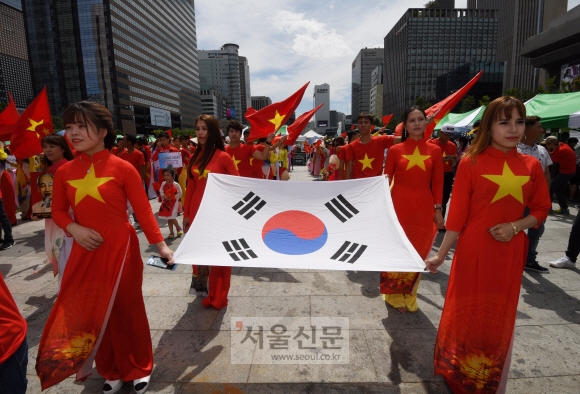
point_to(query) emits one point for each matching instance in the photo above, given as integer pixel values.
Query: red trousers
(126, 352)
(218, 286)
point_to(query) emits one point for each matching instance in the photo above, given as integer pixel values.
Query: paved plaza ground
(389, 352)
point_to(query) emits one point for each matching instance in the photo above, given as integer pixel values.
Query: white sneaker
(563, 262)
(112, 386)
(141, 385)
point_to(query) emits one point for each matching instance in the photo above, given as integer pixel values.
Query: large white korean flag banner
(345, 225)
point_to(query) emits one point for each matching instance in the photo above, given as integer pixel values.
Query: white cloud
(311, 38)
(290, 42)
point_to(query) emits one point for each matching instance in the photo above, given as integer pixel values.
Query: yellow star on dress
(204, 175)
(89, 186)
(416, 159)
(366, 162)
(278, 119)
(33, 125)
(251, 161)
(509, 184)
(237, 161)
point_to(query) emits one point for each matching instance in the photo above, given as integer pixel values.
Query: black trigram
(349, 252)
(341, 208)
(239, 249)
(249, 205)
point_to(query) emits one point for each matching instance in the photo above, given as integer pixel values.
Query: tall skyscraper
(219, 70)
(376, 97)
(245, 93)
(519, 20)
(259, 102)
(137, 58)
(322, 116)
(14, 67)
(427, 43)
(362, 68)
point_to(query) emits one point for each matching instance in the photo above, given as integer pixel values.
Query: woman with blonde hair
(493, 186)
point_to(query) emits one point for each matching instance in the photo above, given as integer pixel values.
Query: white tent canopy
(312, 134)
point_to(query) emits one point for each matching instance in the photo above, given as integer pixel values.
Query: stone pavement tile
(26, 242)
(431, 306)
(554, 245)
(358, 369)
(550, 350)
(166, 285)
(33, 386)
(251, 285)
(364, 313)
(31, 306)
(312, 283)
(270, 306)
(558, 233)
(364, 283)
(542, 385)
(196, 356)
(575, 328)
(178, 313)
(315, 388)
(557, 280)
(547, 308)
(402, 355)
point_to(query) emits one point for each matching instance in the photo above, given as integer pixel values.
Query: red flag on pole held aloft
(34, 123)
(387, 119)
(270, 118)
(443, 107)
(352, 126)
(299, 124)
(8, 119)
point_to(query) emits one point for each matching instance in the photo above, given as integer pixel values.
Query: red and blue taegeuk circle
(294, 233)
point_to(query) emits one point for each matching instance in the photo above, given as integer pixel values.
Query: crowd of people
(497, 185)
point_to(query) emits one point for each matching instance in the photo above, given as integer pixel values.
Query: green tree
(485, 100)
(432, 4)
(3, 105)
(515, 92)
(392, 124)
(57, 123)
(422, 103)
(467, 104)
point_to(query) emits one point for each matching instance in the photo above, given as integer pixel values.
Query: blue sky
(291, 42)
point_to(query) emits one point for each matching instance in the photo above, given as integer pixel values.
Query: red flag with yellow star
(443, 107)
(387, 119)
(8, 118)
(270, 118)
(34, 123)
(299, 124)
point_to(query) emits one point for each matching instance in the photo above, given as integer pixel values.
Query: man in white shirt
(528, 146)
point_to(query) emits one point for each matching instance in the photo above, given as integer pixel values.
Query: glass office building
(519, 20)
(362, 68)
(14, 67)
(428, 43)
(137, 58)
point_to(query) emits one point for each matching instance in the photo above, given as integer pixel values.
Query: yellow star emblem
(33, 125)
(204, 175)
(237, 161)
(251, 160)
(277, 121)
(416, 159)
(366, 162)
(89, 186)
(509, 184)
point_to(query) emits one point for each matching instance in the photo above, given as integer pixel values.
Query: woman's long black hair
(405, 116)
(204, 153)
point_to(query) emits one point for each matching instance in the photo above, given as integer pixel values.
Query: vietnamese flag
(299, 124)
(8, 118)
(387, 119)
(270, 118)
(443, 107)
(34, 123)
